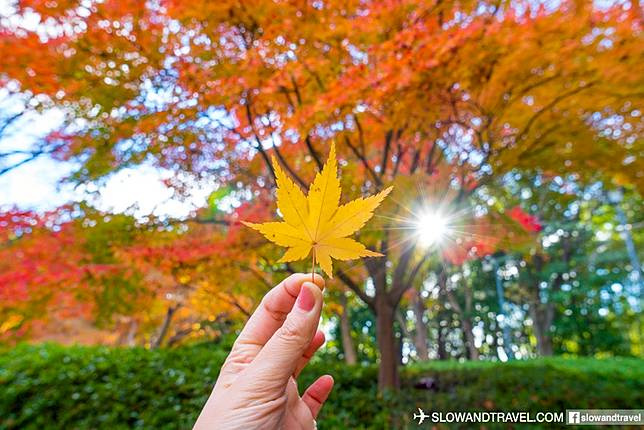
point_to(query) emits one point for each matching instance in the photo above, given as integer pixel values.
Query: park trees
(53, 267)
(411, 91)
(149, 283)
(577, 273)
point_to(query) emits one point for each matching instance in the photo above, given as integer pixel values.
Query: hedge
(55, 387)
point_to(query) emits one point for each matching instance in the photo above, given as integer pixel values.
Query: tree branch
(165, 327)
(399, 286)
(307, 139)
(429, 163)
(283, 161)
(416, 269)
(549, 106)
(364, 162)
(353, 286)
(400, 153)
(32, 157)
(259, 146)
(385, 155)
(236, 304)
(414, 162)
(13, 118)
(360, 134)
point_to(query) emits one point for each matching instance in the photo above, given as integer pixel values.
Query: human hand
(257, 387)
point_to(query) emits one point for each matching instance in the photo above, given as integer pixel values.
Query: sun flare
(432, 228)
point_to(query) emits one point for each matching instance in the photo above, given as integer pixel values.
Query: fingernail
(306, 299)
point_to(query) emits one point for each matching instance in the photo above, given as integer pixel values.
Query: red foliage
(529, 222)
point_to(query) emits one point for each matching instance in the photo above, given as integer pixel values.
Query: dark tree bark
(442, 344)
(165, 327)
(386, 337)
(384, 308)
(464, 315)
(471, 350)
(350, 355)
(420, 335)
(400, 342)
(542, 310)
(542, 315)
(467, 323)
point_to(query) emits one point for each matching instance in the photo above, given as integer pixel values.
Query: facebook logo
(605, 417)
(574, 417)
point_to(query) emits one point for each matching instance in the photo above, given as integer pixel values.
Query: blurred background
(136, 135)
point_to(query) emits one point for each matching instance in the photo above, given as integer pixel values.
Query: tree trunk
(542, 316)
(420, 336)
(131, 333)
(350, 356)
(401, 335)
(541, 312)
(442, 344)
(384, 304)
(127, 331)
(473, 351)
(468, 334)
(165, 327)
(388, 369)
(400, 342)
(466, 323)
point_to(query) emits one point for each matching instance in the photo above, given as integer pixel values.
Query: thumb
(277, 360)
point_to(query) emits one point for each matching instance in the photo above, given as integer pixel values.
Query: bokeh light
(432, 228)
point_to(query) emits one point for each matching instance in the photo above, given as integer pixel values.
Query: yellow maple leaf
(317, 222)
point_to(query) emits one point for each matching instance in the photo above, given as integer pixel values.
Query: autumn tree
(128, 282)
(472, 89)
(194, 276)
(54, 268)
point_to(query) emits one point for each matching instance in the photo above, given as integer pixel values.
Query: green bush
(55, 387)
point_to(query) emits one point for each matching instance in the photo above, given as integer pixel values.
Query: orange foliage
(448, 95)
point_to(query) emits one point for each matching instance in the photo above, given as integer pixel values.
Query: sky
(38, 185)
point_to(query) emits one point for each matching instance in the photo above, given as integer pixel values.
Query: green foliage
(363, 333)
(82, 388)
(58, 387)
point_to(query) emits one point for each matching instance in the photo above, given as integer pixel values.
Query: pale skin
(257, 387)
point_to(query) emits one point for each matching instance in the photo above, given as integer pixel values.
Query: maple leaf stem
(313, 268)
